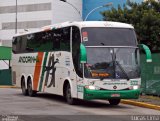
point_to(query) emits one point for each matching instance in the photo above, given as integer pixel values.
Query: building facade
(32, 14)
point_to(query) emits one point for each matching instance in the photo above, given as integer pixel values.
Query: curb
(141, 104)
(8, 86)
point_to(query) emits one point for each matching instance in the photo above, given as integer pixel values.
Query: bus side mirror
(147, 51)
(83, 54)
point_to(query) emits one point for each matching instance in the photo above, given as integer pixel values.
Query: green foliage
(145, 17)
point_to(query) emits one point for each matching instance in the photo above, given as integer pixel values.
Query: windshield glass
(98, 36)
(112, 63)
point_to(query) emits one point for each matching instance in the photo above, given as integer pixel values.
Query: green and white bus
(79, 60)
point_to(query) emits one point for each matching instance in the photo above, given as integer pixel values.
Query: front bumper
(108, 94)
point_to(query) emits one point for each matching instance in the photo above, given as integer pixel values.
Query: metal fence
(150, 74)
(5, 77)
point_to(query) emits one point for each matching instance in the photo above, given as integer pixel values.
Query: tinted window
(55, 40)
(42, 41)
(19, 44)
(62, 39)
(100, 36)
(76, 40)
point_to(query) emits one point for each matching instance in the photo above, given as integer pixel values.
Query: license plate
(115, 95)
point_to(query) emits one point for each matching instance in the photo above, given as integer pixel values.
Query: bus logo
(114, 87)
(51, 67)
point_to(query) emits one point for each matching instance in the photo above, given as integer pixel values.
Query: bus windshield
(103, 36)
(112, 63)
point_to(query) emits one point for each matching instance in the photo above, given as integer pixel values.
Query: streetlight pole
(106, 5)
(73, 7)
(16, 19)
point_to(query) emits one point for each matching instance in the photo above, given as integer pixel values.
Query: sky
(89, 5)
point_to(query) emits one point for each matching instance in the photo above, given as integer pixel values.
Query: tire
(68, 95)
(31, 92)
(23, 87)
(114, 101)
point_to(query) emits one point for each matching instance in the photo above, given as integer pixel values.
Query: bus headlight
(91, 87)
(135, 87)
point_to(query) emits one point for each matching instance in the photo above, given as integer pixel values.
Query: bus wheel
(31, 92)
(68, 95)
(23, 87)
(114, 101)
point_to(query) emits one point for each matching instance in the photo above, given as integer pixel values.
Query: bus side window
(18, 44)
(76, 40)
(61, 39)
(56, 40)
(23, 43)
(45, 41)
(30, 42)
(65, 39)
(39, 42)
(14, 45)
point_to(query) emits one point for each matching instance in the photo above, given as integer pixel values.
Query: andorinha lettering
(28, 59)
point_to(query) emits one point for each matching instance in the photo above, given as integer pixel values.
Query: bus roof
(81, 24)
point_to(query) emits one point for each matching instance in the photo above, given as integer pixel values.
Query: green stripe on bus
(43, 70)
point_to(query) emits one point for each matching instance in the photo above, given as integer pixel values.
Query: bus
(79, 60)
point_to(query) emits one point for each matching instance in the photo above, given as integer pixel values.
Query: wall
(33, 14)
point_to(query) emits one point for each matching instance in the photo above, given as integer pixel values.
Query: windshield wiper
(116, 62)
(122, 69)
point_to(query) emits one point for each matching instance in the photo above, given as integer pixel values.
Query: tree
(145, 17)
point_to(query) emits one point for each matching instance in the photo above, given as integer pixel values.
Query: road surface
(49, 107)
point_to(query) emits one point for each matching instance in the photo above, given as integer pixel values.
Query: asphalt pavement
(15, 106)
